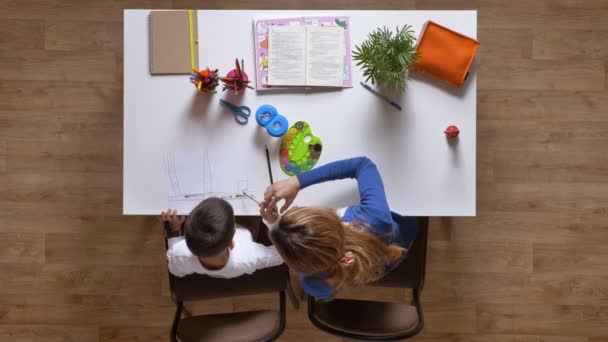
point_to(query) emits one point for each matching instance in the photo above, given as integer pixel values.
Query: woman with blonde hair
(354, 246)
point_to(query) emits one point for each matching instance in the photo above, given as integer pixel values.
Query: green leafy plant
(386, 56)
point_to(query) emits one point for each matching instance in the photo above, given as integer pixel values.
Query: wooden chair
(256, 325)
(380, 321)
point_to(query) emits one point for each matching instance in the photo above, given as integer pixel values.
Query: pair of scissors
(241, 113)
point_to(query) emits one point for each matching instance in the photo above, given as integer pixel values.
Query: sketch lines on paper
(195, 176)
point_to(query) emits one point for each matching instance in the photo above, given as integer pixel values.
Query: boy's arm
(175, 262)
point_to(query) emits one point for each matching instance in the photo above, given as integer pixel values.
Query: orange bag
(445, 54)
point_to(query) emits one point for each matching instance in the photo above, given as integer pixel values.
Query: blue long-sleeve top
(373, 209)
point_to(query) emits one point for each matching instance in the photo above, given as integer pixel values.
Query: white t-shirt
(246, 257)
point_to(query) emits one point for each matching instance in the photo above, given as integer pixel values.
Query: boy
(212, 244)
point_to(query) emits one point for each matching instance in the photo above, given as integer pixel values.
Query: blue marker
(389, 101)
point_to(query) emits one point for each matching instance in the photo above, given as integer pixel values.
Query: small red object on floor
(451, 132)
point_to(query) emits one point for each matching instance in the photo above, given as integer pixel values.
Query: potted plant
(386, 56)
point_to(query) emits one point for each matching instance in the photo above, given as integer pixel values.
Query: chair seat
(368, 318)
(239, 326)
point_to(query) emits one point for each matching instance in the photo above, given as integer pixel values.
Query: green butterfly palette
(300, 149)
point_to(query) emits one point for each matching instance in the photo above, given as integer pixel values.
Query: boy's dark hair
(210, 227)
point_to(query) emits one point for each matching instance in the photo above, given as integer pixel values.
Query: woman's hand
(175, 222)
(269, 211)
(286, 189)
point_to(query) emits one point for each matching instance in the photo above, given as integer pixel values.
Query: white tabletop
(423, 174)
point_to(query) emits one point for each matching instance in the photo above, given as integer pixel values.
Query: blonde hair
(313, 240)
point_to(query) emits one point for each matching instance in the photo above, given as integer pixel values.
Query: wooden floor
(531, 267)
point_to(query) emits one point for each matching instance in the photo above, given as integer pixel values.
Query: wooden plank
(61, 96)
(528, 14)
(549, 166)
(103, 249)
(598, 339)
(549, 121)
(542, 319)
(473, 256)
(210, 306)
(34, 65)
(526, 74)
(547, 227)
(76, 187)
(570, 4)
(516, 288)
(64, 156)
(476, 4)
(570, 44)
(440, 228)
(571, 198)
(266, 301)
(83, 35)
(2, 156)
(297, 4)
(61, 126)
(52, 217)
(583, 258)
(541, 106)
(311, 334)
(48, 333)
(606, 83)
(449, 317)
(134, 334)
(80, 279)
(430, 337)
(534, 136)
(499, 43)
(21, 248)
(110, 11)
(59, 309)
(547, 18)
(21, 34)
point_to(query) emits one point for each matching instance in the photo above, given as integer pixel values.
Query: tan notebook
(173, 42)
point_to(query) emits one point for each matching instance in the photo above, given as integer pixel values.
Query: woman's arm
(371, 188)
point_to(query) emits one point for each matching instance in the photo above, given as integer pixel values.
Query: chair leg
(416, 293)
(295, 302)
(282, 319)
(187, 312)
(178, 315)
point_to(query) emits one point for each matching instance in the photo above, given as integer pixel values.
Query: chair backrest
(381, 321)
(200, 287)
(410, 273)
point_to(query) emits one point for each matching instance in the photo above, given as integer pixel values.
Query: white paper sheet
(195, 176)
(286, 55)
(324, 56)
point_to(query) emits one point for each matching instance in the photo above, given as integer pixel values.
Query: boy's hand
(269, 211)
(286, 189)
(175, 222)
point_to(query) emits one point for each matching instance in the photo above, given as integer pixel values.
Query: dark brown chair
(380, 321)
(257, 325)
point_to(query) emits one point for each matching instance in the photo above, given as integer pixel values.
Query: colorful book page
(261, 45)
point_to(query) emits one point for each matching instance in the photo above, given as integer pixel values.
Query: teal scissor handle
(241, 113)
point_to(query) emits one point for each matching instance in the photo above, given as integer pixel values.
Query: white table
(423, 174)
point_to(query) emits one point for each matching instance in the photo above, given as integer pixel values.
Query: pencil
(251, 198)
(384, 97)
(269, 168)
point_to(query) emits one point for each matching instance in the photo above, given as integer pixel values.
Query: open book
(306, 56)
